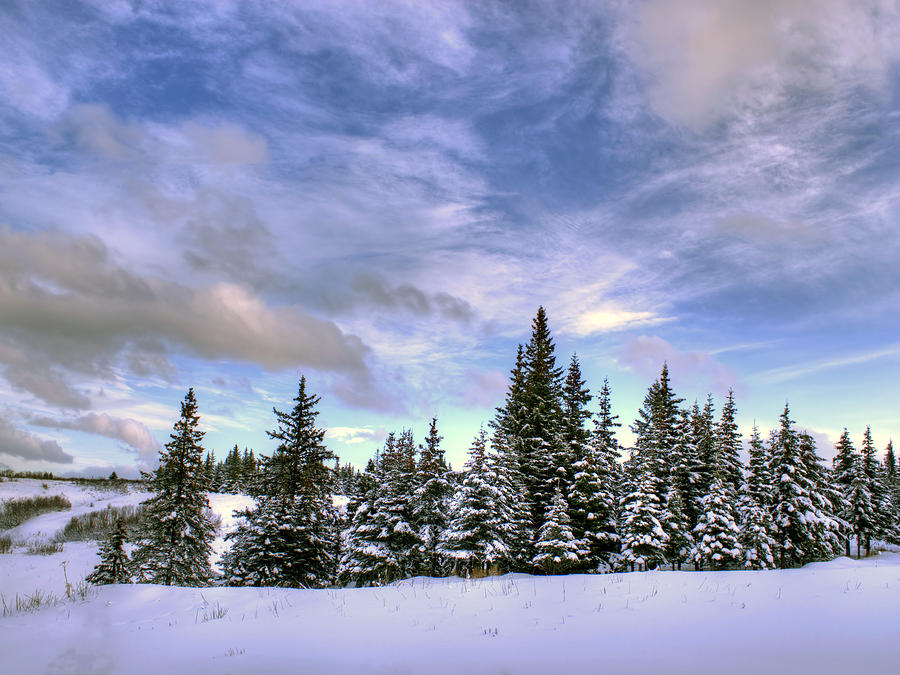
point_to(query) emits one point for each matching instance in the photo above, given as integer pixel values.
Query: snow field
(833, 617)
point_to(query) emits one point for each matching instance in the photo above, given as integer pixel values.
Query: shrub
(45, 548)
(5, 545)
(16, 511)
(98, 524)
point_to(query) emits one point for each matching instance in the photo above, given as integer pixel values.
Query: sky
(379, 195)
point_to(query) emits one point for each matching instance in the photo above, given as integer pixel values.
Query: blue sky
(379, 195)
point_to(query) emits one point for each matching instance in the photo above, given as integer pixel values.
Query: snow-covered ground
(834, 617)
(84, 499)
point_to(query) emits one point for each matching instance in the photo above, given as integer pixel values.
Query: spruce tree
(382, 545)
(657, 432)
(289, 538)
(728, 447)
(114, 564)
(176, 545)
(430, 500)
(680, 544)
(508, 444)
(556, 549)
(860, 511)
(643, 538)
(806, 528)
(758, 536)
(759, 481)
(717, 534)
(843, 462)
(476, 541)
(541, 433)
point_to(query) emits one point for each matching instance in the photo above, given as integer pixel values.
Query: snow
(829, 617)
(84, 499)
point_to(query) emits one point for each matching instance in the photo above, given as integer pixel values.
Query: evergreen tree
(248, 472)
(860, 511)
(759, 481)
(508, 445)
(382, 545)
(643, 538)
(686, 473)
(431, 497)
(843, 463)
(717, 534)
(209, 470)
(657, 432)
(177, 542)
(575, 434)
(728, 447)
(757, 536)
(541, 433)
(680, 542)
(114, 564)
(806, 530)
(289, 538)
(477, 539)
(557, 550)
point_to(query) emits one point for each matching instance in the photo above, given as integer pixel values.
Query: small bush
(44, 548)
(5, 545)
(97, 525)
(16, 511)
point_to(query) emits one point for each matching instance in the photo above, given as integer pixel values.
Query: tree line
(547, 488)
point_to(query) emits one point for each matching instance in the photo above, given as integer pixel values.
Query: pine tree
(430, 500)
(541, 433)
(728, 447)
(382, 545)
(248, 472)
(114, 564)
(860, 511)
(806, 529)
(757, 536)
(717, 534)
(176, 545)
(759, 480)
(476, 541)
(508, 445)
(843, 462)
(556, 549)
(657, 432)
(680, 540)
(643, 538)
(289, 539)
(575, 435)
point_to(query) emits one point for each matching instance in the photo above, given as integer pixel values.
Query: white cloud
(22, 444)
(129, 431)
(711, 58)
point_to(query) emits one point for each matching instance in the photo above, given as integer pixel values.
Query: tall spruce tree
(541, 433)
(508, 445)
(175, 547)
(289, 539)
